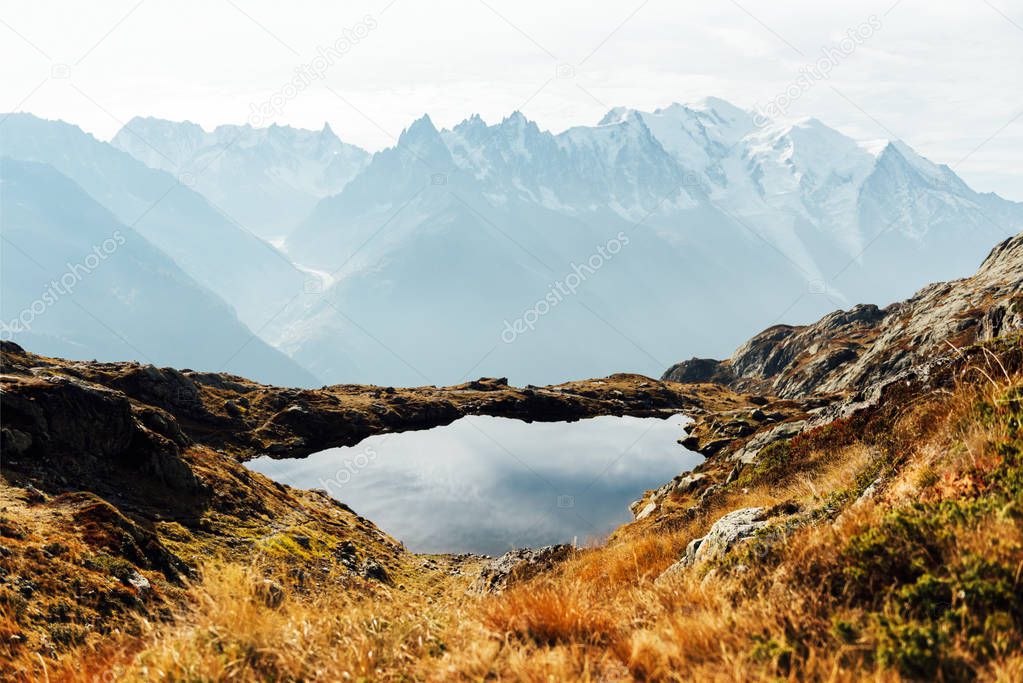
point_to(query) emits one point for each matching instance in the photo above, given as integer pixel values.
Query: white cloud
(942, 75)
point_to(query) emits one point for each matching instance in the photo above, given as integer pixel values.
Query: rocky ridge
(845, 368)
(849, 350)
(248, 419)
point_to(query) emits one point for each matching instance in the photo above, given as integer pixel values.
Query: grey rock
(868, 492)
(724, 534)
(729, 530)
(691, 482)
(647, 510)
(786, 430)
(519, 565)
(371, 569)
(847, 351)
(138, 582)
(270, 593)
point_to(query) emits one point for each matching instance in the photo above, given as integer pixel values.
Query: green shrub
(914, 649)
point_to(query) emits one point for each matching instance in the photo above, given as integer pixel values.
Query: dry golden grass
(818, 603)
(246, 627)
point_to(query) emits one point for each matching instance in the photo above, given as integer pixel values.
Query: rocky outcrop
(700, 370)
(848, 351)
(726, 533)
(248, 419)
(747, 454)
(64, 430)
(519, 565)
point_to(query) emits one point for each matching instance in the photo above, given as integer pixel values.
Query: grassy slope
(921, 578)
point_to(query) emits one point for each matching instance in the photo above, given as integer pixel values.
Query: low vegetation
(896, 553)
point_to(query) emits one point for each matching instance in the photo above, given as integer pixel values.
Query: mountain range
(508, 250)
(80, 283)
(266, 178)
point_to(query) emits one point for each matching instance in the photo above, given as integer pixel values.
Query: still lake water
(490, 484)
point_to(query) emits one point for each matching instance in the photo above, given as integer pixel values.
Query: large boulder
(699, 370)
(727, 532)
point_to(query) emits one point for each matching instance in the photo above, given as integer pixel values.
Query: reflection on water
(489, 484)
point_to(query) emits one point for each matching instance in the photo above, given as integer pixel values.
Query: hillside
(205, 242)
(77, 282)
(866, 526)
(848, 350)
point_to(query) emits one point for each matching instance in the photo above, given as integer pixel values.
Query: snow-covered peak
(697, 135)
(874, 147)
(722, 108)
(421, 143)
(474, 122)
(614, 115)
(516, 119)
(935, 173)
(809, 147)
(267, 178)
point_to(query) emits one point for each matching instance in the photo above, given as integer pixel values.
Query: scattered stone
(34, 496)
(371, 569)
(708, 493)
(347, 554)
(138, 582)
(519, 565)
(687, 560)
(647, 510)
(691, 482)
(868, 492)
(270, 593)
(714, 446)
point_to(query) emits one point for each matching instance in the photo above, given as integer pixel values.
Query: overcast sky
(943, 76)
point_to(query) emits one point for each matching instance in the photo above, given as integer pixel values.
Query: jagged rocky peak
(420, 129)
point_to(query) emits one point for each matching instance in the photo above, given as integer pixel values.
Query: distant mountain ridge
(732, 225)
(77, 282)
(416, 258)
(265, 178)
(247, 272)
